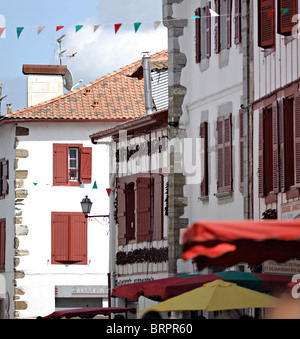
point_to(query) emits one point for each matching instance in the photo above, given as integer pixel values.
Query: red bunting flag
(270, 13)
(117, 27)
(59, 27)
(108, 190)
(1, 31)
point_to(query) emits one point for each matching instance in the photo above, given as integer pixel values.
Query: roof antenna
(147, 82)
(61, 51)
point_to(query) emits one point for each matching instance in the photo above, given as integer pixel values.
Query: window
(203, 33)
(224, 153)
(266, 23)
(223, 24)
(204, 159)
(286, 10)
(69, 238)
(72, 164)
(140, 209)
(3, 178)
(2, 244)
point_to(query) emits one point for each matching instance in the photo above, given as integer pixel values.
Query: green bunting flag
(19, 31)
(78, 27)
(95, 185)
(285, 10)
(137, 26)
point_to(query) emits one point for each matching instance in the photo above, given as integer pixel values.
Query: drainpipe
(147, 82)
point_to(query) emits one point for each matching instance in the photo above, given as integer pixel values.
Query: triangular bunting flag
(78, 27)
(35, 183)
(96, 27)
(69, 184)
(19, 31)
(284, 11)
(108, 190)
(95, 185)
(270, 13)
(117, 27)
(59, 27)
(1, 30)
(82, 185)
(156, 24)
(137, 26)
(40, 28)
(195, 16)
(213, 13)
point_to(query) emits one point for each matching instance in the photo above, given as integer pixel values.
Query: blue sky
(97, 53)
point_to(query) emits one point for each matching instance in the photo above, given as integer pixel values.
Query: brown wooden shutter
(220, 151)
(198, 35)
(282, 145)
(217, 27)
(242, 138)
(228, 153)
(143, 208)
(261, 181)
(5, 178)
(228, 23)
(266, 23)
(208, 31)
(60, 238)
(275, 147)
(86, 164)
(121, 194)
(297, 136)
(285, 24)
(158, 203)
(2, 244)
(78, 238)
(204, 163)
(60, 164)
(237, 21)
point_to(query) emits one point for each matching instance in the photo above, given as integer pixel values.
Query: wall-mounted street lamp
(86, 206)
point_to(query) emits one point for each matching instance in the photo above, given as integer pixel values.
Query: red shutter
(228, 23)
(86, 164)
(78, 238)
(285, 24)
(4, 176)
(241, 135)
(228, 153)
(60, 238)
(2, 245)
(217, 27)
(208, 31)
(143, 208)
(204, 164)
(237, 21)
(60, 164)
(121, 193)
(282, 145)
(275, 148)
(297, 137)
(197, 36)
(266, 22)
(261, 181)
(158, 207)
(220, 151)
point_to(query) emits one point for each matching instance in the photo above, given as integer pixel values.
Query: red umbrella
(226, 243)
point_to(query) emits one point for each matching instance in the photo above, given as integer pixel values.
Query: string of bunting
(136, 25)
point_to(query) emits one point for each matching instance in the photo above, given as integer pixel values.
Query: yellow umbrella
(215, 296)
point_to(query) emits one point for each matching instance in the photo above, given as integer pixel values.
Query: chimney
(9, 108)
(44, 82)
(147, 82)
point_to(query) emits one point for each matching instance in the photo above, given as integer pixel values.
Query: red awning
(88, 312)
(134, 290)
(226, 243)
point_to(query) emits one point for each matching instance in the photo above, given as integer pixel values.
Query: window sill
(268, 51)
(293, 192)
(224, 194)
(269, 199)
(204, 198)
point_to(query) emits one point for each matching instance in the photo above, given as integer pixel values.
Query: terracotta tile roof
(115, 96)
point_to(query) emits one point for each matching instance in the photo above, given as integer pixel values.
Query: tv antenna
(61, 51)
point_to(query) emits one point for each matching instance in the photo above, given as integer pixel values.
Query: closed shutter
(261, 181)
(220, 152)
(158, 203)
(4, 177)
(282, 145)
(78, 238)
(241, 137)
(198, 36)
(237, 21)
(275, 148)
(217, 27)
(228, 153)
(143, 208)
(2, 245)
(204, 164)
(86, 164)
(60, 164)
(266, 23)
(121, 214)
(228, 23)
(60, 238)
(208, 31)
(285, 24)
(297, 137)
